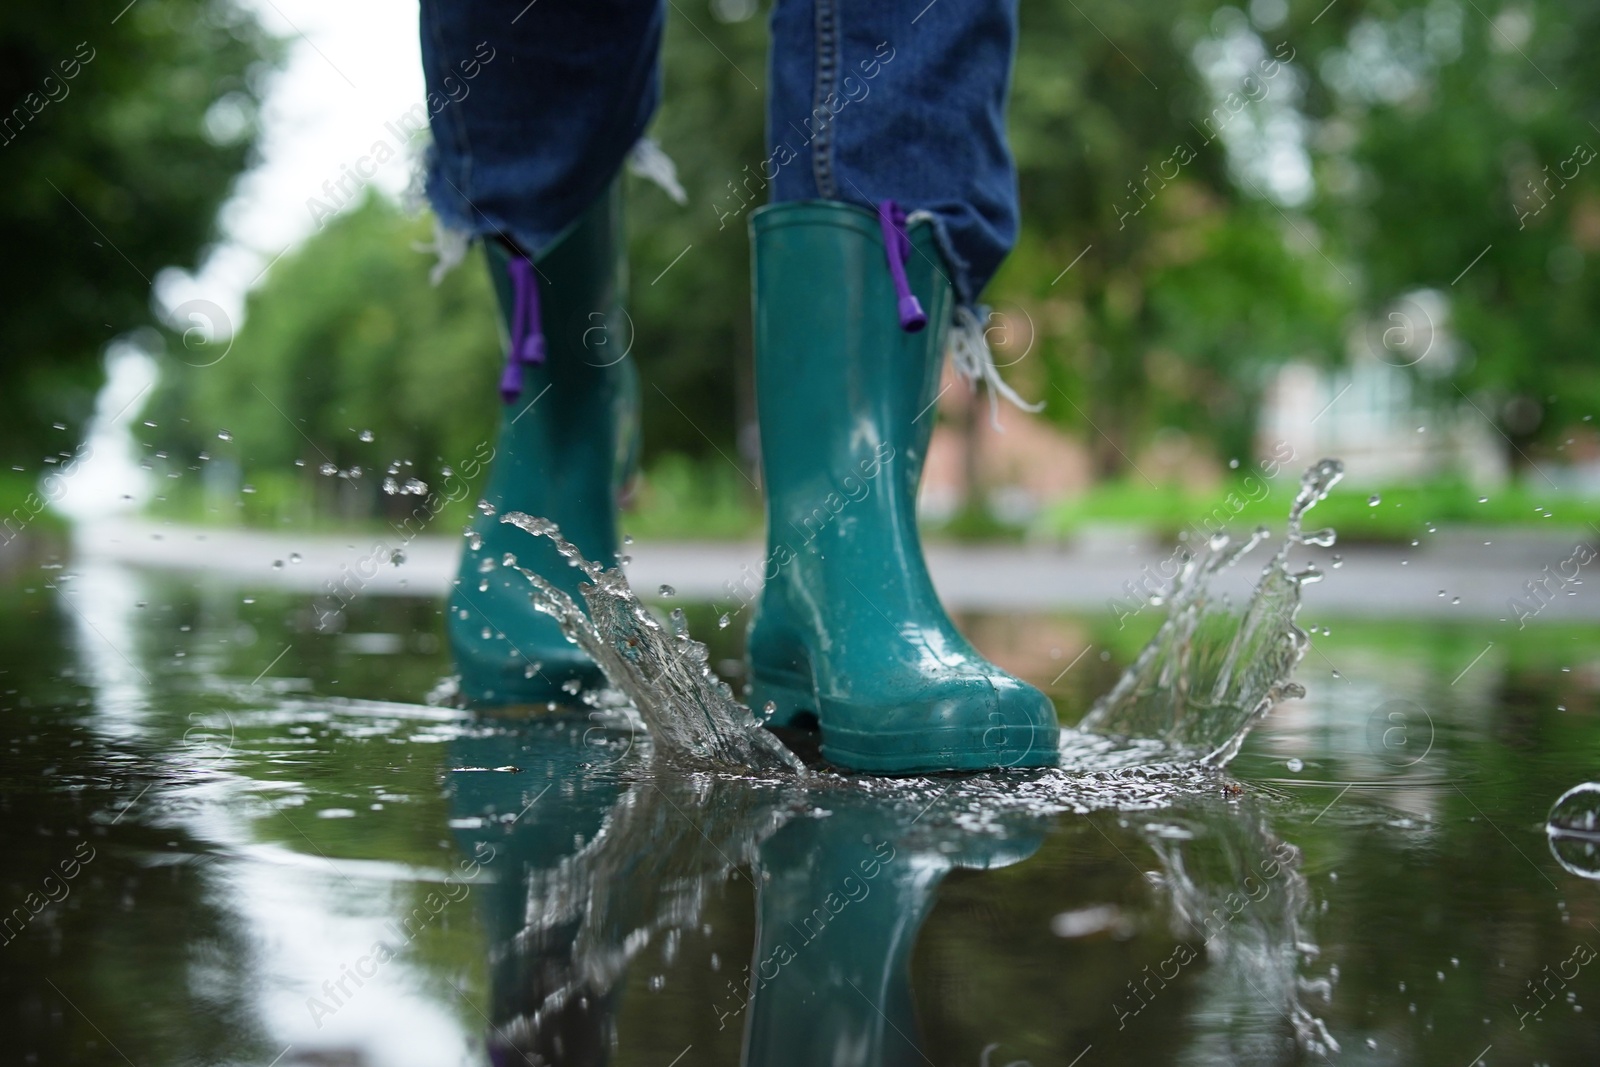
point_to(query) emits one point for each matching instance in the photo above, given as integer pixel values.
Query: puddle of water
(233, 839)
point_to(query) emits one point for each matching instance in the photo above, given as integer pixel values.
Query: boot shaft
(845, 394)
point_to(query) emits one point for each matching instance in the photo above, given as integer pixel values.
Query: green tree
(350, 361)
(1187, 280)
(120, 139)
(1458, 152)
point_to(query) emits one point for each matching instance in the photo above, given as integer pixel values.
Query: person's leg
(901, 100)
(853, 306)
(534, 107)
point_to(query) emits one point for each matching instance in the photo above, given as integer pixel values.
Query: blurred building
(1389, 412)
(1026, 464)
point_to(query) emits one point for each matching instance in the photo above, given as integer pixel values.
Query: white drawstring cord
(972, 358)
(449, 246)
(648, 161)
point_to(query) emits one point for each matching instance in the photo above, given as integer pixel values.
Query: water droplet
(1233, 464)
(294, 557)
(224, 435)
(1338, 561)
(1441, 594)
(365, 436)
(486, 507)
(1483, 500)
(397, 558)
(627, 539)
(508, 560)
(247, 600)
(1374, 500)
(724, 621)
(667, 590)
(657, 983)
(1455, 600)
(277, 564)
(248, 488)
(486, 633)
(390, 486)
(1295, 765)
(530, 670)
(483, 585)
(1336, 674)
(327, 470)
(571, 685)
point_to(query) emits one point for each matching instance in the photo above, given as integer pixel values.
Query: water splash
(1188, 700)
(1573, 829)
(1212, 671)
(1236, 894)
(690, 712)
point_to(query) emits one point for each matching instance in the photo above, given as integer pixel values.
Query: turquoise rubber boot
(849, 627)
(567, 439)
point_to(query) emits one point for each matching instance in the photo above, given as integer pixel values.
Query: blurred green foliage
(1207, 191)
(1453, 131)
(352, 365)
(120, 138)
(1395, 513)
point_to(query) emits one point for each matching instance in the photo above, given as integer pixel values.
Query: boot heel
(793, 697)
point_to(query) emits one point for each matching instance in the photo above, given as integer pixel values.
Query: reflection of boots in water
(840, 901)
(583, 874)
(520, 803)
(567, 437)
(850, 629)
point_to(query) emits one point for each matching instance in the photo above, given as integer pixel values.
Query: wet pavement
(233, 839)
(1455, 574)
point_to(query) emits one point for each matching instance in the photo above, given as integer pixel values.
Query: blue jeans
(867, 100)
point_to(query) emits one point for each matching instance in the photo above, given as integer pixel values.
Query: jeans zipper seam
(827, 44)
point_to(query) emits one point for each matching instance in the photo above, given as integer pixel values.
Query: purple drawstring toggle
(897, 247)
(527, 338)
